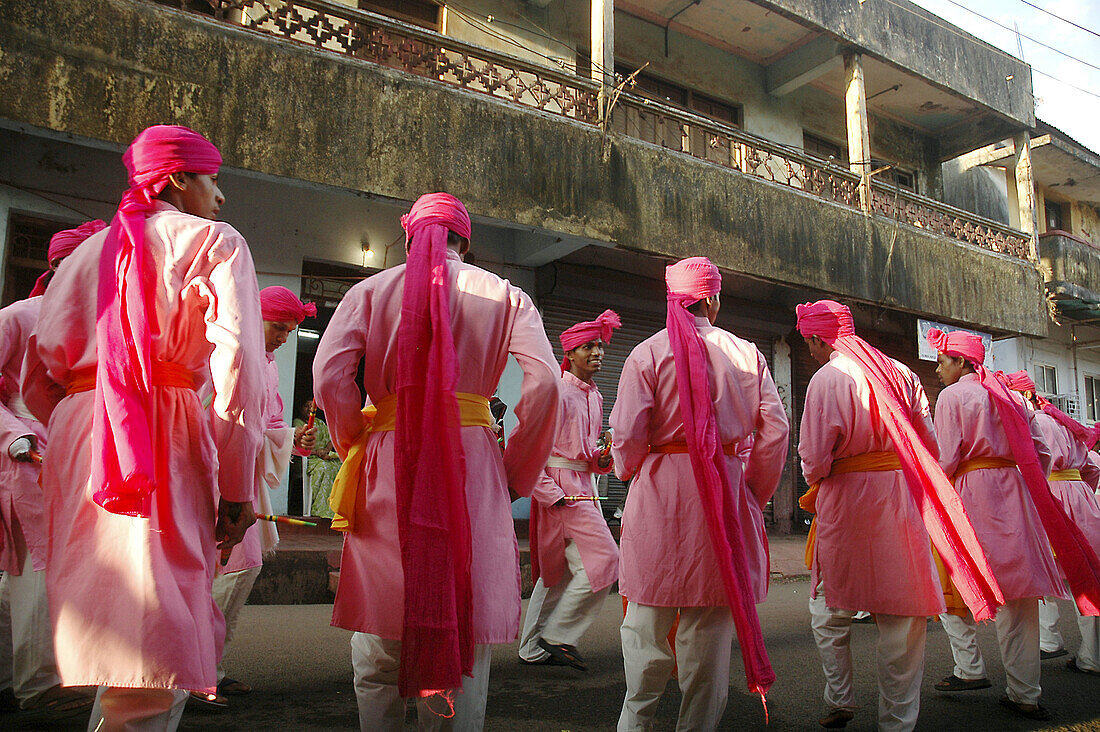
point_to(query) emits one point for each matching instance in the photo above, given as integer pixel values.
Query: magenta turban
(62, 244)
(589, 330)
(826, 319)
(958, 344)
(1019, 381)
(123, 464)
(277, 303)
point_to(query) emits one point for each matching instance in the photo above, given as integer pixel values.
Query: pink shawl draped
(62, 244)
(122, 442)
(437, 645)
(1071, 548)
(688, 281)
(589, 330)
(941, 509)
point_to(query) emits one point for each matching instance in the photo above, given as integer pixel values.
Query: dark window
(28, 242)
(1092, 398)
(418, 12)
(678, 96)
(1055, 217)
(824, 149)
(714, 109)
(905, 179)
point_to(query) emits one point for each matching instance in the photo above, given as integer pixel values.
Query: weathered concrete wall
(1072, 262)
(913, 39)
(980, 189)
(287, 111)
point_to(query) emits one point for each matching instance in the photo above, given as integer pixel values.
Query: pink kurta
(579, 427)
(490, 320)
(872, 550)
(1077, 496)
(667, 558)
(249, 553)
(130, 597)
(997, 500)
(21, 501)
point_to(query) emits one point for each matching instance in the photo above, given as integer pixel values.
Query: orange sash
(165, 373)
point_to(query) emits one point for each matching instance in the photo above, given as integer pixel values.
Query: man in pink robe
(282, 312)
(574, 557)
(669, 563)
(157, 632)
(489, 320)
(23, 541)
(872, 551)
(1071, 474)
(975, 450)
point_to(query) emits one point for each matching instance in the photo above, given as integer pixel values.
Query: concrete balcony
(1074, 270)
(323, 93)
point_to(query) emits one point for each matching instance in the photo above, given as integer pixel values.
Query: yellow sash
(982, 463)
(1071, 474)
(473, 411)
(165, 373)
(868, 462)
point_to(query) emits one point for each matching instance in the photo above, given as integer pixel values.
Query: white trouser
(230, 594)
(1018, 637)
(5, 636)
(381, 709)
(703, 643)
(1050, 639)
(899, 657)
(563, 613)
(33, 665)
(136, 710)
(1088, 655)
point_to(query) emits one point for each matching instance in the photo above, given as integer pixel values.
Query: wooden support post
(859, 139)
(1025, 190)
(603, 50)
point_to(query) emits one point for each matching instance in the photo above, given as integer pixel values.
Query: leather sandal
(837, 718)
(1071, 664)
(564, 655)
(232, 687)
(954, 683)
(1029, 711)
(210, 700)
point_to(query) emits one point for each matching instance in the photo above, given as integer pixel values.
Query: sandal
(232, 687)
(1029, 711)
(211, 700)
(564, 655)
(954, 683)
(58, 704)
(837, 719)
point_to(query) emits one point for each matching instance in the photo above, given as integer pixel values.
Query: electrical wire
(1059, 17)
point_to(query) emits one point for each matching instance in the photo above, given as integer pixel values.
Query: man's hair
(455, 240)
(697, 308)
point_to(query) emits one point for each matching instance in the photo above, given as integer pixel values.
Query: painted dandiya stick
(283, 520)
(36, 457)
(312, 411)
(585, 498)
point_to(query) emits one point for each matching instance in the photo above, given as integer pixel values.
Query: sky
(1075, 112)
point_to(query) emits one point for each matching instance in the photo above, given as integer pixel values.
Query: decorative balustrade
(362, 35)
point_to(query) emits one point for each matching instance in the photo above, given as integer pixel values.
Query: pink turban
(62, 244)
(590, 330)
(123, 470)
(437, 640)
(1019, 381)
(1078, 560)
(826, 319)
(692, 279)
(958, 344)
(277, 303)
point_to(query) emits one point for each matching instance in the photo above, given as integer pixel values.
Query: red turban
(590, 330)
(826, 319)
(62, 244)
(277, 303)
(958, 344)
(123, 464)
(433, 521)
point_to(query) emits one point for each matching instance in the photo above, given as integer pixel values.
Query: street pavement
(300, 668)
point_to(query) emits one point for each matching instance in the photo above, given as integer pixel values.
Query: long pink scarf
(1072, 550)
(437, 646)
(941, 509)
(687, 281)
(122, 431)
(1022, 382)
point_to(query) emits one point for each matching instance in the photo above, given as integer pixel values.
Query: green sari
(321, 473)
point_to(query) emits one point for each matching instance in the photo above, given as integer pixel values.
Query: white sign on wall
(925, 351)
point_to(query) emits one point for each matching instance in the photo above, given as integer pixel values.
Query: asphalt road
(301, 671)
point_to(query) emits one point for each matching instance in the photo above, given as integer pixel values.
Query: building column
(603, 50)
(785, 497)
(1025, 189)
(859, 138)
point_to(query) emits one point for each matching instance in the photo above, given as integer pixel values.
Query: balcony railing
(362, 35)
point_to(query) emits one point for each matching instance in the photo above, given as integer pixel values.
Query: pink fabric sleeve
(40, 392)
(922, 419)
(546, 491)
(11, 427)
(237, 368)
(949, 432)
(1090, 472)
(822, 427)
(1042, 449)
(769, 449)
(531, 441)
(334, 370)
(631, 413)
